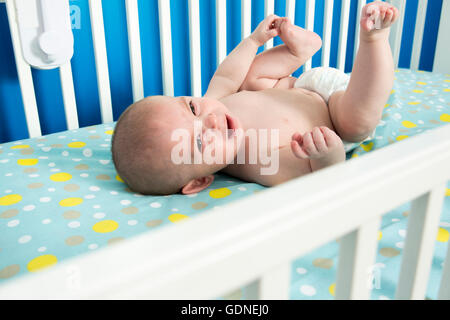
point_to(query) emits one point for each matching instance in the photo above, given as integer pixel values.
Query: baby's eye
(191, 105)
(199, 143)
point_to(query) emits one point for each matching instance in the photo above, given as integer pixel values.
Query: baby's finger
(297, 137)
(319, 140)
(309, 146)
(331, 138)
(298, 151)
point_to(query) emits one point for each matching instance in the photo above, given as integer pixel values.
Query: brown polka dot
(199, 205)
(130, 210)
(323, 263)
(27, 151)
(1, 151)
(235, 295)
(9, 213)
(434, 122)
(426, 107)
(30, 170)
(9, 271)
(82, 167)
(153, 223)
(103, 177)
(41, 139)
(115, 240)
(71, 214)
(405, 214)
(413, 111)
(94, 137)
(389, 252)
(57, 145)
(35, 185)
(71, 187)
(74, 240)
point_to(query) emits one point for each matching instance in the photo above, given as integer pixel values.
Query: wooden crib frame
(250, 241)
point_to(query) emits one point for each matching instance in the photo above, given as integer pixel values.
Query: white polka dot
(114, 193)
(29, 207)
(192, 195)
(97, 206)
(13, 223)
(65, 153)
(76, 160)
(84, 175)
(99, 215)
(175, 209)
(301, 270)
(94, 188)
(89, 196)
(45, 199)
(132, 222)
(46, 221)
(395, 220)
(33, 175)
(41, 249)
(51, 189)
(402, 233)
(8, 191)
(400, 244)
(93, 246)
(445, 224)
(55, 170)
(73, 224)
(87, 153)
(24, 239)
(51, 164)
(8, 174)
(308, 290)
(155, 205)
(242, 189)
(125, 202)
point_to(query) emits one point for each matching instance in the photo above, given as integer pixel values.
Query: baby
(312, 120)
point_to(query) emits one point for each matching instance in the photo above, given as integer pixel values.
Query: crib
(251, 242)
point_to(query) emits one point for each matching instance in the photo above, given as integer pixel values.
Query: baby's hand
(266, 30)
(319, 143)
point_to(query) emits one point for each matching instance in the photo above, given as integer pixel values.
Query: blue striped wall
(48, 89)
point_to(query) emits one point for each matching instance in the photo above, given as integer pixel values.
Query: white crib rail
(240, 243)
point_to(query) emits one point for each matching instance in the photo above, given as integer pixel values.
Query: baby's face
(201, 131)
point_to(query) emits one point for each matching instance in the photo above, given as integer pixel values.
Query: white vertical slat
(194, 38)
(361, 4)
(134, 44)
(101, 59)
(441, 60)
(269, 8)
(356, 259)
(221, 36)
(25, 77)
(418, 34)
(246, 17)
(165, 32)
(327, 25)
(273, 285)
(343, 34)
(68, 93)
(444, 290)
(418, 251)
(290, 10)
(309, 25)
(397, 30)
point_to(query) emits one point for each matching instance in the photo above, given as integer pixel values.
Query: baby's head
(154, 134)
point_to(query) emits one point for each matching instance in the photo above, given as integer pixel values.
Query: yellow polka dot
(418, 91)
(70, 202)
(21, 146)
(119, 179)
(393, 91)
(400, 138)
(414, 103)
(27, 162)
(220, 193)
(446, 80)
(367, 147)
(446, 90)
(41, 262)
(445, 117)
(447, 192)
(61, 177)
(387, 105)
(380, 235)
(443, 235)
(105, 226)
(332, 289)
(177, 217)
(355, 156)
(77, 144)
(421, 83)
(110, 132)
(10, 199)
(409, 124)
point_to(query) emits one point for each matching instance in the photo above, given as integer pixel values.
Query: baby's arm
(232, 71)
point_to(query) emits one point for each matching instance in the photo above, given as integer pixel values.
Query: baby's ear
(197, 185)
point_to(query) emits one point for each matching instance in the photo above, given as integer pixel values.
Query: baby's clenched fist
(320, 142)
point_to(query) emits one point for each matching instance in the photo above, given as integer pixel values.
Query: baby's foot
(320, 143)
(377, 18)
(299, 41)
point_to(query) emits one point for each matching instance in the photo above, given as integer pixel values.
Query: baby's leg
(357, 111)
(272, 68)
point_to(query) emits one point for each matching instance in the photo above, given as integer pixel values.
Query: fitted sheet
(61, 197)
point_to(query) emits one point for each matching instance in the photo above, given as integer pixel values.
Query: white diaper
(326, 81)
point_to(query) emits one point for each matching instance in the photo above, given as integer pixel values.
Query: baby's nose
(211, 121)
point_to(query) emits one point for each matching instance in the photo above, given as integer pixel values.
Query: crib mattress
(61, 197)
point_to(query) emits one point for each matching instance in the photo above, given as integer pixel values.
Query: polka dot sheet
(60, 197)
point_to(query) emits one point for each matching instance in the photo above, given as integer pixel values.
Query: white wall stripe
(343, 34)
(397, 30)
(101, 60)
(68, 92)
(444, 289)
(361, 4)
(221, 33)
(418, 34)
(165, 31)
(309, 25)
(25, 77)
(290, 10)
(326, 39)
(441, 60)
(134, 44)
(194, 38)
(269, 8)
(246, 17)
